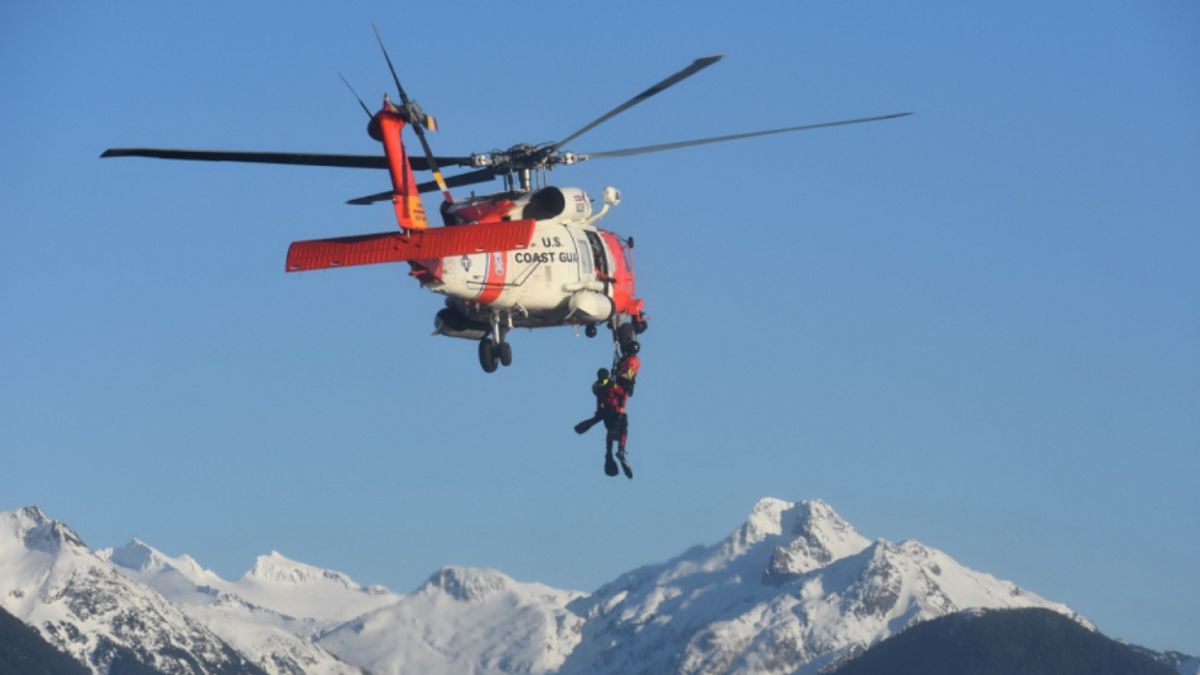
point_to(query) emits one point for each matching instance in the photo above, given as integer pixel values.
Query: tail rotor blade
(418, 122)
(356, 96)
(395, 78)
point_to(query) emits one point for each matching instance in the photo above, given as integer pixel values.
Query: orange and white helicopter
(528, 257)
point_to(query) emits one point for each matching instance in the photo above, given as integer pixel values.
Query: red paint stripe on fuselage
(497, 272)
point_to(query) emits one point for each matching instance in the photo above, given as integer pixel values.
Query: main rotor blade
(695, 67)
(370, 199)
(626, 152)
(468, 178)
(480, 176)
(299, 158)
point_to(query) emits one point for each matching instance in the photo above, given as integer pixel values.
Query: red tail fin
(386, 126)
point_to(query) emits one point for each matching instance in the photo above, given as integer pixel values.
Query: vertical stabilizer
(386, 126)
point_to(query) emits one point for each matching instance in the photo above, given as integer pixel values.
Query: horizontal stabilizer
(385, 247)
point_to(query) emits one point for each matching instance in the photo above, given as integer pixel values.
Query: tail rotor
(356, 96)
(417, 118)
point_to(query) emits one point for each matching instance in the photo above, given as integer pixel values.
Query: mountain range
(795, 589)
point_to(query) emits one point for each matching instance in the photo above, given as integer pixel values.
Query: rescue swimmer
(612, 392)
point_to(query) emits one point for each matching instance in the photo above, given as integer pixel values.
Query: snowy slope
(795, 589)
(83, 606)
(305, 591)
(467, 621)
(322, 597)
(792, 590)
(277, 643)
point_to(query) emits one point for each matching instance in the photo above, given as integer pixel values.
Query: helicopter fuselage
(571, 272)
(521, 258)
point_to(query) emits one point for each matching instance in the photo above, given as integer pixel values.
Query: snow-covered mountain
(324, 598)
(464, 621)
(796, 589)
(80, 604)
(278, 642)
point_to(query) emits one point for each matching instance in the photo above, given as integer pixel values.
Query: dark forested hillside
(1001, 642)
(24, 652)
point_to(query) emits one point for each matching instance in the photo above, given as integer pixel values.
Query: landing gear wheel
(504, 352)
(487, 355)
(590, 330)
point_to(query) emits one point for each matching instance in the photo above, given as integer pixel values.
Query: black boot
(625, 463)
(610, 466)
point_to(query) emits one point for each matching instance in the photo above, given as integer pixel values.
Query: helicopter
(529, 256)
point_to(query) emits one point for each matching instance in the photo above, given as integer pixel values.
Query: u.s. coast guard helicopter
(528, 257)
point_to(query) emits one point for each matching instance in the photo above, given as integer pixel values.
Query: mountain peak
(40, 532)
(817, 520)
(136, 555)
(26, 518)
(766, 519)
(34, 514)
(467, 584)
(275, 568)
(797, 537)
(139, 556)
(814, 536)
(764, 522)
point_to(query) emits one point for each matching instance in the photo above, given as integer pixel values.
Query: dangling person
(616, 422)
(602, 382)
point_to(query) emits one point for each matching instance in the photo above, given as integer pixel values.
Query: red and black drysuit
(612, 411)
(599, 388)
(627, 370)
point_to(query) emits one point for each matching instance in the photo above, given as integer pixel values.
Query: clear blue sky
(978, 327)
